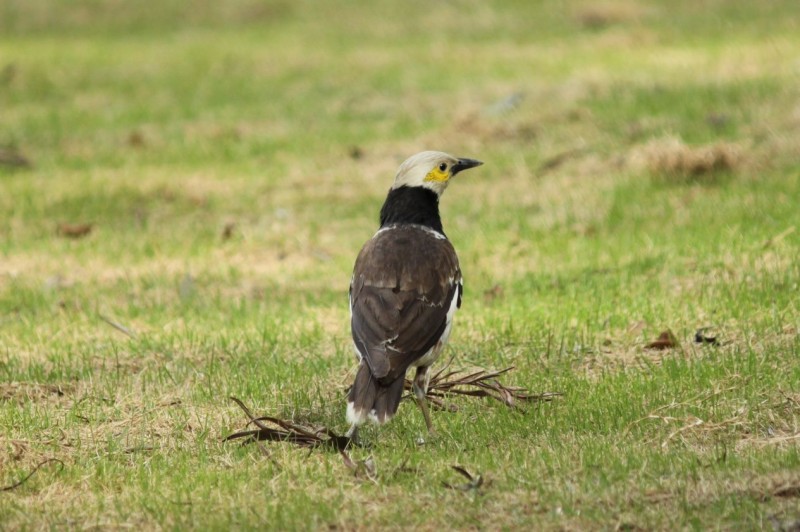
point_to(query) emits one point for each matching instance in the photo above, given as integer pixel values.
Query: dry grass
(443, 384)
(600, 15)
(23, 392)
(673, 160)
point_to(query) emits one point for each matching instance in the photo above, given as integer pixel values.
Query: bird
(405, 289)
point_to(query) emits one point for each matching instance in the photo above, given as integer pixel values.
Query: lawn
(184, 188)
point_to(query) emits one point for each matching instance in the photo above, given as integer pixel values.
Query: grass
(232, 160)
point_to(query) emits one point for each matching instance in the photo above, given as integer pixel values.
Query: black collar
(412, 205)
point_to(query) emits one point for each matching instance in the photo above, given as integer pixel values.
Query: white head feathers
(432, 170)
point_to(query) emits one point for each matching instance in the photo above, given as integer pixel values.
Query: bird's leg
(420, 388)
(353, 434)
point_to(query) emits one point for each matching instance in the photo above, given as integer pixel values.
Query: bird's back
(404, 281)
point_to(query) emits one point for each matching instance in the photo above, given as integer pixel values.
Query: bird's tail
(370, 399)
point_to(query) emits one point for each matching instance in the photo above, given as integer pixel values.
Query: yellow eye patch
(437, 175)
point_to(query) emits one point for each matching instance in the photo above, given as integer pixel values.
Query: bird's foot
(431, 437)
(352, 435)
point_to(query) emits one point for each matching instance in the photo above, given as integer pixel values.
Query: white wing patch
(350, 294)
(433, 353)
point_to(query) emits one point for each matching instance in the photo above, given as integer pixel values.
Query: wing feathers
(403, 283)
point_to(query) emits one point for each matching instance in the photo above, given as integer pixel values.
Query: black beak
(465, 164)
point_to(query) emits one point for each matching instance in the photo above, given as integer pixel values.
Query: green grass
(162, 124)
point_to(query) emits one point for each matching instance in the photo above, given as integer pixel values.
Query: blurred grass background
(204, 174)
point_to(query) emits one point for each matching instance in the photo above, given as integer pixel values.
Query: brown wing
(404, 281)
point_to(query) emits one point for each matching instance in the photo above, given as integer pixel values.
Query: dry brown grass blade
(22, 481)
(287, 431)
(118, 326)
(481, 383)
(777, 238)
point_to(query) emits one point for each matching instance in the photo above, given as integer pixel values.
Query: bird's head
(432, 170)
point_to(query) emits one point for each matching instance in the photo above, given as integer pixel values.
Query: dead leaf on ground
(136, 139)
(356, 152)
(665, 340)
(75, 231)
(227, 231)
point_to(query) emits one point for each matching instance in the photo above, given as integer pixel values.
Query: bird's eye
(443, 167)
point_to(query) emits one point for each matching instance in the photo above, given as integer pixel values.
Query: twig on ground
(693, 422)
(473, 482)
(19, 483)
(288, 431)
(118, 326)
(481, 383)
